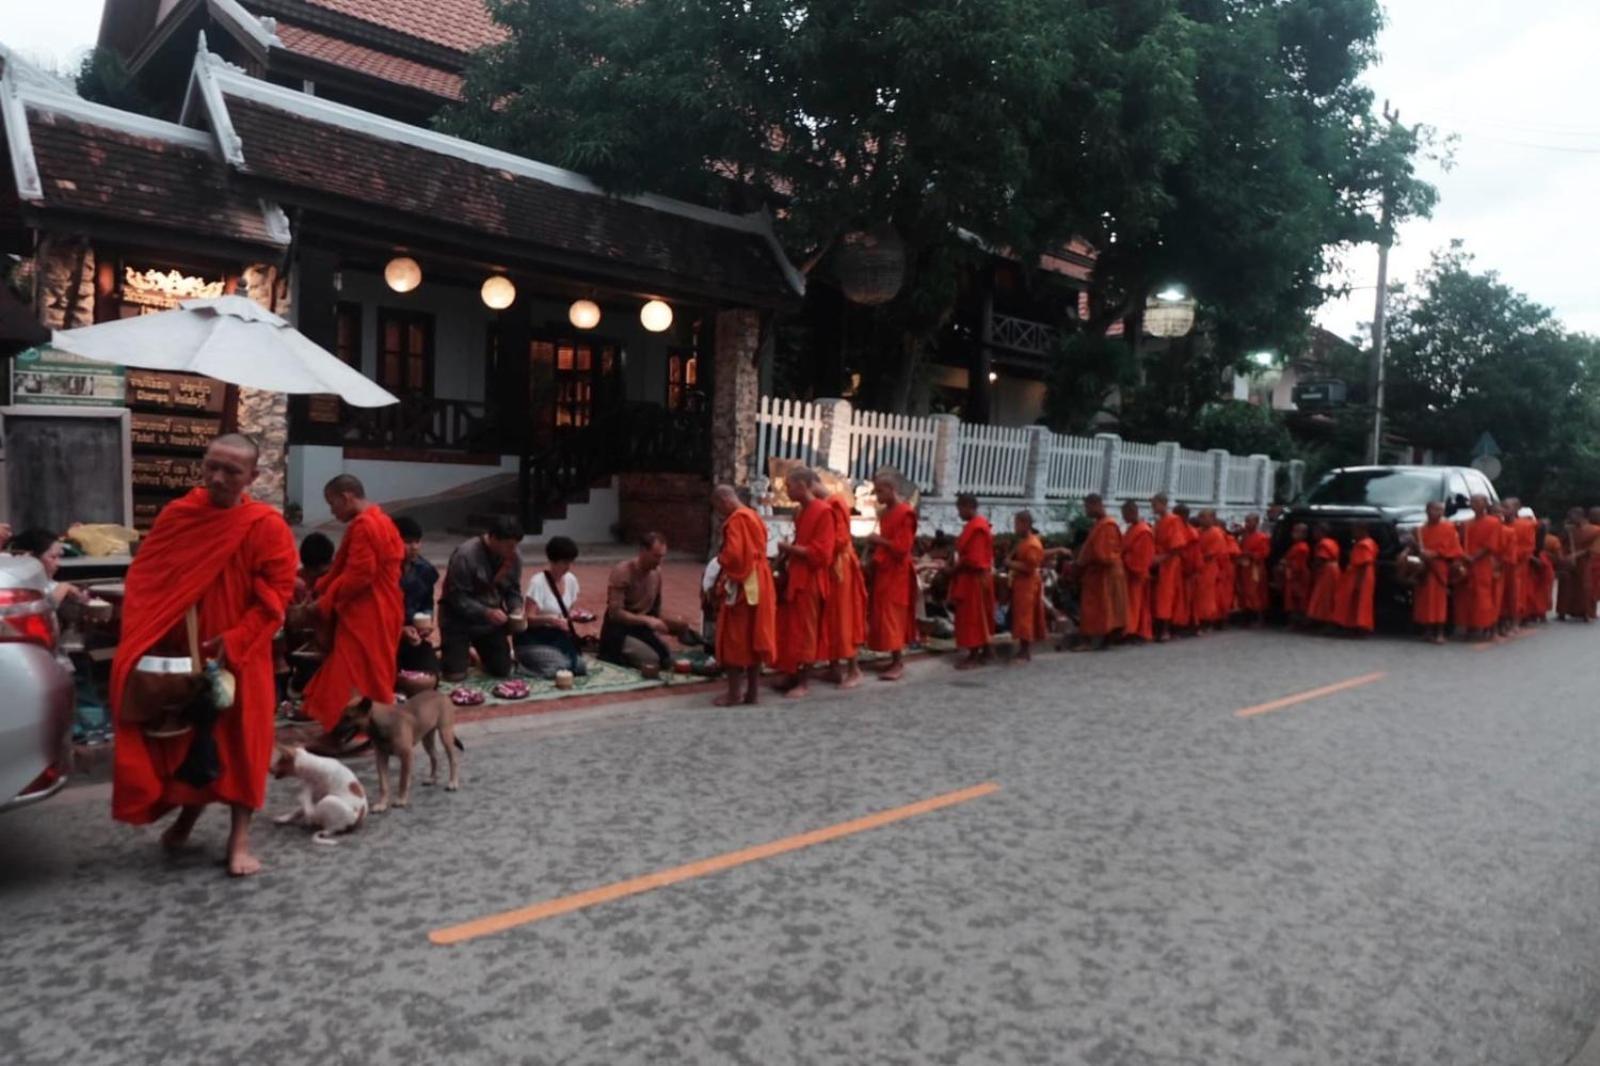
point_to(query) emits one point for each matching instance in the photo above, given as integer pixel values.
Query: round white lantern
(498, 293)
(584, 314)
(655, 316)
(402, 274)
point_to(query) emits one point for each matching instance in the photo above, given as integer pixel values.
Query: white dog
(331, 799)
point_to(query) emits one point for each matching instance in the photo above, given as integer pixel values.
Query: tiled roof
(463, 25)
(370, 61)
(99, 170)
(289, 148)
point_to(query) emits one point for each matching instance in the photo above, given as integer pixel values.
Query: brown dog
(395, 730)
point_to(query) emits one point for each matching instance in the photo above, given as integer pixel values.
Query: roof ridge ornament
(19, 142)
(205, 79)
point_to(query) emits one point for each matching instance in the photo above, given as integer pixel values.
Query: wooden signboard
(64, 465)
(173, 432)
(163, 391)
(174, 417)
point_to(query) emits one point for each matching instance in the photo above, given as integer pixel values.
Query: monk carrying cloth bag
(168, 697)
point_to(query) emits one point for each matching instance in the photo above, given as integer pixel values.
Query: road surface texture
(1402, 870)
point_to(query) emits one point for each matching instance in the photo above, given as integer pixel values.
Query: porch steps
(586, 515)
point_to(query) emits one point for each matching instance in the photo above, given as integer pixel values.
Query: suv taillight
(26, 616)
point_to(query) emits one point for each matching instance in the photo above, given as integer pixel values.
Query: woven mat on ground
(602, 678)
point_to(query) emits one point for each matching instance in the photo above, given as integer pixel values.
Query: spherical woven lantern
(1168, 318)
(871, 265)
(402, 274)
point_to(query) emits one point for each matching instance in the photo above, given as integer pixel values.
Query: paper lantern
(1168, 318)
(655, 316)
(402, 274)
(498, 293)
(584, 314)
(871, 265)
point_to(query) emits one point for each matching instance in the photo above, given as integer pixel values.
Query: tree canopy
(1223, 144)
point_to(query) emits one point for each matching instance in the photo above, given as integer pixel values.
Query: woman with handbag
(550, 643)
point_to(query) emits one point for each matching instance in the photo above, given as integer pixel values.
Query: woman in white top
(549, 643)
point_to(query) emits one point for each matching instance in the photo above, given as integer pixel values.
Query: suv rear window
(1378, 488)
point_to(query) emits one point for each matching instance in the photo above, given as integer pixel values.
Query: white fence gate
(787, 429)
(909, 445)
(1077, 465)
(994, 460)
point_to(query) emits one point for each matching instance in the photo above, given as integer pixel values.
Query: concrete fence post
(1297, 478)
(1037, 472)
(833, 440)
(1110, 466)
(1219, 476)
(1262, 481)
(1170, 454)
(946, 456)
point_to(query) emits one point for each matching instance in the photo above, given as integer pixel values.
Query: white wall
(460, 329)
(387, 481)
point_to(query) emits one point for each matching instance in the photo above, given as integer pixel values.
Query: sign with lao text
(174, 431)
(164, 475)
(176, 392)
(61, 379)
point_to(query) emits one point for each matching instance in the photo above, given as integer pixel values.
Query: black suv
(1393, 502)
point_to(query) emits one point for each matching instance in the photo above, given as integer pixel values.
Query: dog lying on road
(395, 730)
(331, 799)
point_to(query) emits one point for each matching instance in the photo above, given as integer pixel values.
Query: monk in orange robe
(1594, 562)
(234, 559)
(747, 600)
(1542, 580)
(1170, 602)
(1138, 556)
(1103, 595)
(1295, 567)
(972, 584)
(1440, 546)
(1481, 605)
(361, 595)
(1512, 562)
(844, 623)
(1254, 549)
(892, 620)
(1228, 577)
(808, 561)
(1025, 565)
(1211, 547)
(1575, 595)
(1324, 604)
(1188, 619)
(1359, 583)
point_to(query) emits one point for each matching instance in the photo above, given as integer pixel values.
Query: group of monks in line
(1136, 581)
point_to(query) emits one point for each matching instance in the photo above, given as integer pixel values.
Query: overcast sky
(1516, 79)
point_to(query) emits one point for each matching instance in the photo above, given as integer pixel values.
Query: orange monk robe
(1193, 564)
(1539, 598)
(238, 564)
(805, 588)
(1357, 585)
(1027, 590)
(1254, 592)
(1575, 598)
(893, 617)
(1138, 555)
(1480, 605)
(1170, 602)
(1430, 605)
(1103, 599)
(361, 591)
(1211, 546)
(972, 586)
(1297, 578)
(1526, 531)
(844, 623)
(1512, 563)
(747, 614)
(1324, 603)
(1228, 577)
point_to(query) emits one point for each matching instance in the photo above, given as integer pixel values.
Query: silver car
(36, 690)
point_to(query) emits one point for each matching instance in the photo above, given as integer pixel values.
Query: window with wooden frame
(583, 375)
(405, 351)
(347, 333)
(683, 377)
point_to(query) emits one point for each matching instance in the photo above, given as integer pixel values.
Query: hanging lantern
(498, 293)
(584, 314)
(871, 265)
(655, 316)
(402, 274)
(1168, 318)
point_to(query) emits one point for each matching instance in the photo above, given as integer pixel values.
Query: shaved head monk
(972, 583)
(892, 603)
(747, 599)
(1212, 546)
(844, 622)
(1138, 557)
(233, 560)
(1439, 544)
(1254, 549)
(1103, 589)
(1027, 587)
(360, 596)
(1170, 600)
(1481, 609)
(1574, 596)
(808, 560)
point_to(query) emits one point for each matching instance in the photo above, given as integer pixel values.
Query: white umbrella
(230, 338)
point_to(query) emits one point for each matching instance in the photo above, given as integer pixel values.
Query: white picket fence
(994, 460)
(943, 456)
(906, 444)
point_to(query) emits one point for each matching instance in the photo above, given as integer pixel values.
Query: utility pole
(1380, 315)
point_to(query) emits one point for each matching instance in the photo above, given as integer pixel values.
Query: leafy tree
(1469, 354)
(104, 78)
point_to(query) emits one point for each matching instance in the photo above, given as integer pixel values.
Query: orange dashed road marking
(499, 923)
(1313, 694)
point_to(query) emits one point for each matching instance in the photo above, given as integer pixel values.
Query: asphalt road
(1401, 872)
